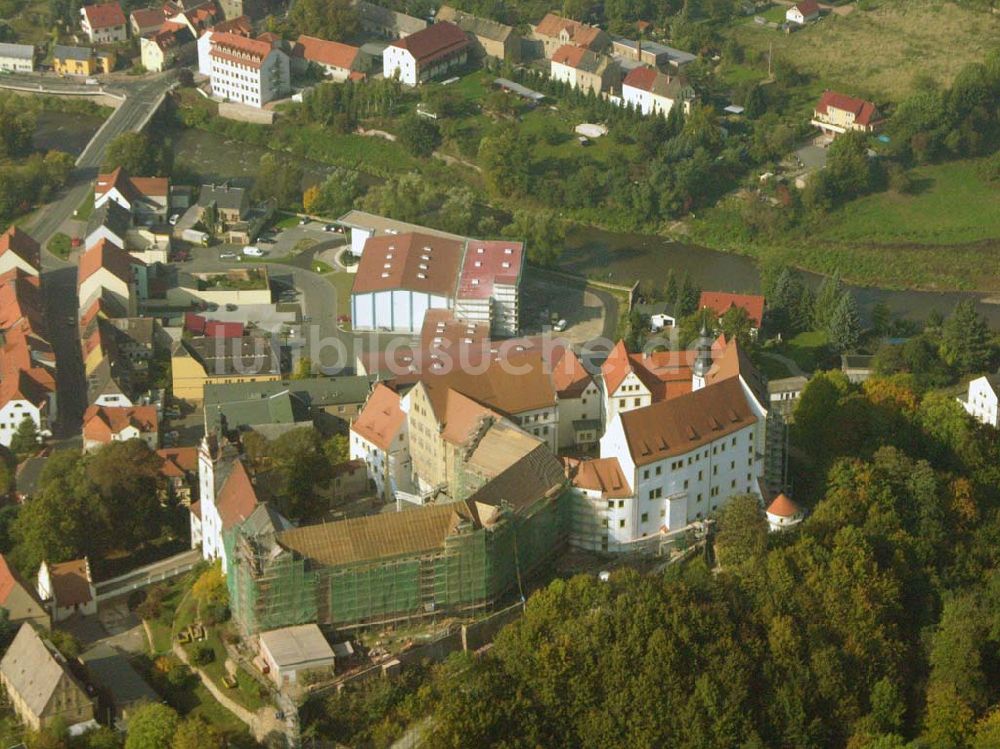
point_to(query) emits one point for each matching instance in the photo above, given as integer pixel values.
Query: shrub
(203, 654)
(180, 676)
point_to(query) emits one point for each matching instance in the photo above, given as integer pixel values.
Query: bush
(180, 676)
(214, 613)
(60, 245)
(203, 654)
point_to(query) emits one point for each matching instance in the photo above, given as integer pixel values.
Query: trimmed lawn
(773, 369)
(287, 221)
(86, 207)
(952, 205)
(342, 282)
(882, 52)
(247, 690)
(774, 14)
(60, 245)
(808, 350)
(473, 87)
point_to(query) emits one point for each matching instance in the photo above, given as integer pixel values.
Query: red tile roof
(147, 18)
(580, 34)
(9, 579)
(666, 374)
(487, 264)
(334, 54)
(106, 255)
(569, 55)
(21, 244)
(864, 111)
(641, 78)
(568, 375)
(783, 507)
(682, 424)
(217, 329)
(178, 462)
(237, 498)
(71, 582)
(436, 41)
(720, 302)
(239, 25)
(135, 187)
(603, 475)
(417, 262)
(239, 49)
(807, 7)
(381, 418)
(106, 15)
(103, 423)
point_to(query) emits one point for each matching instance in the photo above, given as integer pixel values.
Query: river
(69, 132)
(611, 256)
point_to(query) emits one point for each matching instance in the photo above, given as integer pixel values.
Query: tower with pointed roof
(703, 363)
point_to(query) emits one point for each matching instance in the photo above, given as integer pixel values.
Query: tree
(335, 195)
(137, 154)
(542, 232)
(419, 135)
(845, 324)
(210, 587)
(304, 369)
(831, 289)
(328, 19)
(736, 324)
(965, 341)
(881, 318)
(505, 158)
(279, 179)
(26, 438)
(742, 535)
(127, 478)
(195, 733)
(301, 465)
(337, 449)
(152, 726)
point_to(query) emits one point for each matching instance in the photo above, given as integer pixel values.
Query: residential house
(119, 687)
(172, 44)
(247, 71)
(651, 92)
(426, 54)
(110, 272)
(239, 25)
(599, 485)
(837, 113)
(290, 653)
(784, 394)
(388, 24)
(654, 54)
(490, 38)
(104, 23)
(19, 250)
(578, 401)
(982, 401)
(379, 437)
(783, 513)
(720, 302)
(105, 424)
(145, 21)
(554, 32)
(17, 58)
(40, 686)
(26, 394)
(109, 221)
(180, 469)
(803, 12)
(857, 367)
(338, 61)
(81, 60)
(230, 204)
(202, 361)
(67, 588)
(661, 315)
(19, 600)
(146, 198)
(583, 69)
(350, 479)
(197, 19)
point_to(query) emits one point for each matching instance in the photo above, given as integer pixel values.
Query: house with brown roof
(104, 23)
(555, 31)
(379, 438)
(838, 113)
(105, 424)
(227, 497)
(40, 686)
(180, 469)
(490, 38)
(650, 91)
(426, 54)
(67, 588)
(146, 198)
(720, 302)
(108, 271)
(19, 600)
(582, 68)
(803, 12)
(578, 402)
(144, 21)
(783, 513)
(337, 60)
(172, 44)
(239, 25)
(19, 250)
(247, 71)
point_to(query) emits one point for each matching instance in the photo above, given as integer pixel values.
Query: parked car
(560, 326)
(228, 256)
(212, 307)
(252, 251)
(231, 307)
(303, 221)
(329, 227)
(174, 219)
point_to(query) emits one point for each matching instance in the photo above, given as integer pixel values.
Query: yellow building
(81, 60)
(199, 362)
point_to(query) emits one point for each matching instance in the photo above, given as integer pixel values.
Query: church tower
(704, 361)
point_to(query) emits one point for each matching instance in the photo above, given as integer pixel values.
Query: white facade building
(651, 92)
(247, 71)
(104, 23)
(426, 54)
(16, 410)
(379, 438)
(17, 58)
(982, 402)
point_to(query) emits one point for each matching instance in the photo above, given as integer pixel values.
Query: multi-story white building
(426, 54)
(26, 394)
(488, 287)
(17, 58)
(247, 71)
(651, 92)
(379, 438)
(104, 23)
(579, 404)
(982, 402)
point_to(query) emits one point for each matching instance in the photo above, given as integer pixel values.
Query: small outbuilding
(290, 652)
(783, 513)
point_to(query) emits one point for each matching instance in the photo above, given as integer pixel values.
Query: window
(604, 522)
(611, 504)
(732, 464)
(645, 474)
(732, 484)
(645, 517)
(636, 401)
(734, 440)
(699, 497)
(685, 483)
(659, 470)
(621, 503)
(663, 513)
(700, 477)
(621, 523)
(715, 470)
(715, 450)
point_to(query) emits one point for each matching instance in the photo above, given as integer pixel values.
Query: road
(58, 276)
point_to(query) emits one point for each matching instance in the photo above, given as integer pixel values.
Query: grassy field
(342, 282)
(951, 205)
(882, 52)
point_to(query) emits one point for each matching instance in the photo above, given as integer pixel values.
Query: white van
(252, 251)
